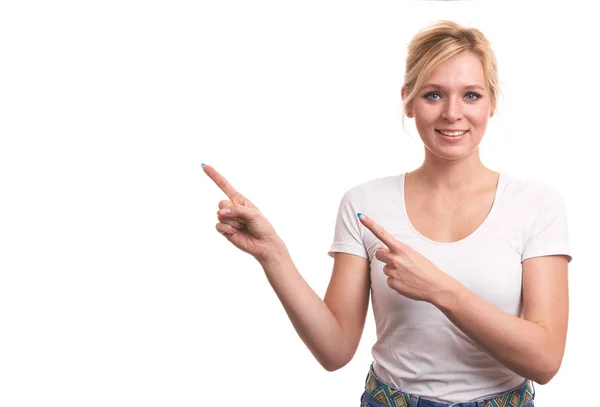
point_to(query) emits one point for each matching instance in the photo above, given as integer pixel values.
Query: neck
(451, 176)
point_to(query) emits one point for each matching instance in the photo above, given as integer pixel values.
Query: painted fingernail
(225, 211)
(203, 165)
(362, 216)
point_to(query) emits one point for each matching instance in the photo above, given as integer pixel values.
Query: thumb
(382, 250)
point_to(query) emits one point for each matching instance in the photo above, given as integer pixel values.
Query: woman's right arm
(330, 328)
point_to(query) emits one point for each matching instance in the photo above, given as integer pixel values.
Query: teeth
(452, 133)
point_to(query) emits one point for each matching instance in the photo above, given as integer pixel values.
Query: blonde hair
(439, 42)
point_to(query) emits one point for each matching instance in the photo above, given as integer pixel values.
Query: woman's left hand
(409, 272)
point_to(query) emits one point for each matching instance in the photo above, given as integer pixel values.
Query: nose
(452, 110)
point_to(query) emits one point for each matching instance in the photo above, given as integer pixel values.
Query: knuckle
(233, 223)
(402, 256)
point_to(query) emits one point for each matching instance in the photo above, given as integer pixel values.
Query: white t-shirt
(418, 349)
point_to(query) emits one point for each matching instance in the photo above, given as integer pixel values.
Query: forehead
(462, 70)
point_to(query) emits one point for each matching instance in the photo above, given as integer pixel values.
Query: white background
(115, 287)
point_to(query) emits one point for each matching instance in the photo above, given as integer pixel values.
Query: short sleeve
(548, 234)
(347, 235)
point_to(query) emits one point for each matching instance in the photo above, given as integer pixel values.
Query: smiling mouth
(456, 133)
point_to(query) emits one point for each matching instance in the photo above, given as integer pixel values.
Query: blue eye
(429, 95)
(476, 96)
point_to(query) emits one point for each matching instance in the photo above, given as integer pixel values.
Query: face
(452, 108)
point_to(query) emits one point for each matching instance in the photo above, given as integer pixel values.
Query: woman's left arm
(532, 347)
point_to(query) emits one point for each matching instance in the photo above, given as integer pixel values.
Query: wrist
(448, 300)
(275, 253)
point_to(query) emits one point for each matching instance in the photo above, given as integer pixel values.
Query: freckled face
(452, 108)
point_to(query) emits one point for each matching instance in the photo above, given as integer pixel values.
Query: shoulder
(374, 187)
(530, 192)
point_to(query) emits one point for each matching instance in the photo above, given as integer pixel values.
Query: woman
(467, 266)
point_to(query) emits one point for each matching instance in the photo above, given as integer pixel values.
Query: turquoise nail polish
(359, 214)
(203, 164)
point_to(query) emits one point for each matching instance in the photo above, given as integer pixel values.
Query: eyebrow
(436, 86)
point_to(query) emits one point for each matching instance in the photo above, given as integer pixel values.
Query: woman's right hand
(245, 227)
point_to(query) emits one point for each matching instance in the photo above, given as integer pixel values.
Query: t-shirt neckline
(499, 186)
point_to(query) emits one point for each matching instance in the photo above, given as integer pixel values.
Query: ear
(493, 108)
(407, 108)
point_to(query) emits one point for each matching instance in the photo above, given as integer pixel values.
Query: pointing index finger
(222, 183)
(382, 234)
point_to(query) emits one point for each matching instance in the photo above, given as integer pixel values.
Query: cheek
(480, 115)
(476, 116)
(425, 117)
(480, 118)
